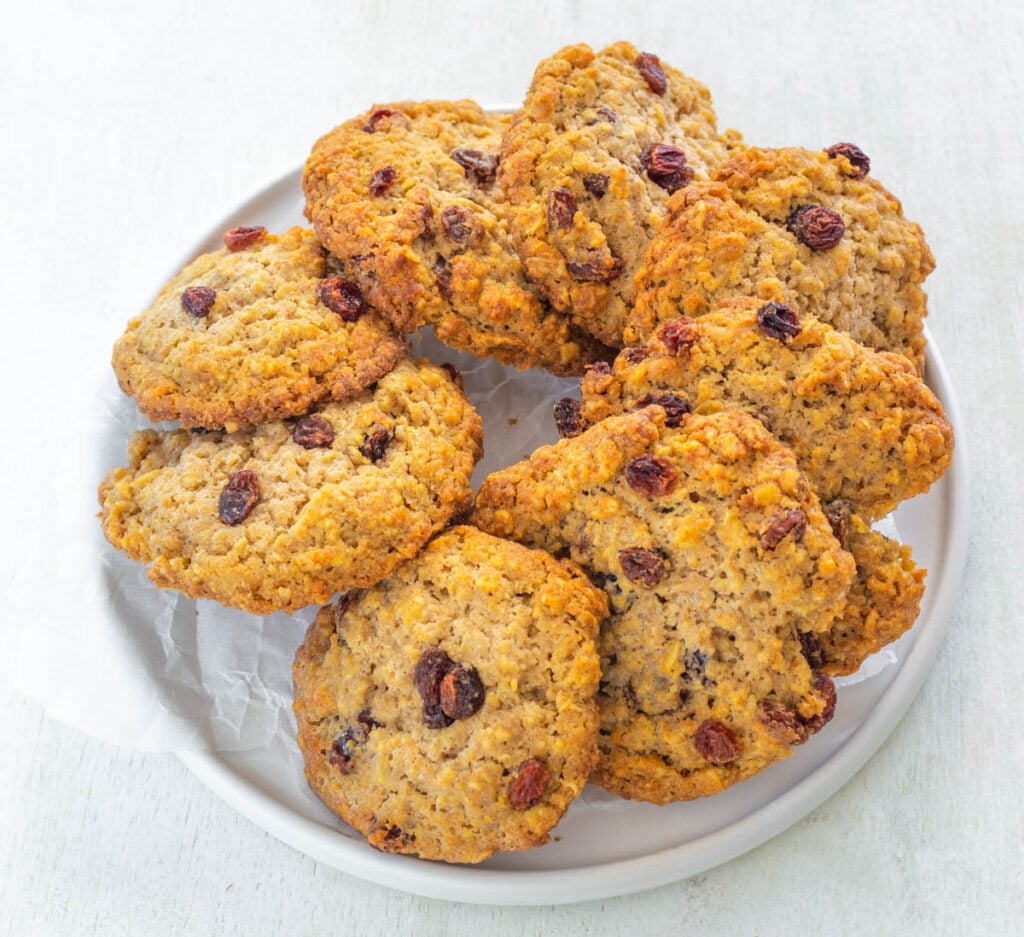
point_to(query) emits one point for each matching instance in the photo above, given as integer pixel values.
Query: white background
(126, 132)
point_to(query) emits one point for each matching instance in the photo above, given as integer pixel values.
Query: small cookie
(258, 331)
(588, 163)
(863, 425)
(883, 602)
(715, 555)
(284, 515)
(449, 710)
(803, 228)
(406, 195)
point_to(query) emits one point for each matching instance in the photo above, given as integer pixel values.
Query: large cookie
(286, 514)
(258, 331)
(716, 556)
(588, 163)
(406, 195)
(808, 229)
(863, 425)
(449, 711)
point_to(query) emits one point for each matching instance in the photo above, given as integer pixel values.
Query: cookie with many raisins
(589, 161)
(717, 559)
(863, 425)
(286, 514)
(260, 330)
(406, 195)
(811, 230)
(449, 711)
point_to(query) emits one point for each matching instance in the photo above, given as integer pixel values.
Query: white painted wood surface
(127, 131)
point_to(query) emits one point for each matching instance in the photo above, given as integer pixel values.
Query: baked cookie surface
(588, 163)
(449, 711)
(406, 195)
(286, 514)
(716, 556)
(863, 425)
(247, 335)
(798, 227)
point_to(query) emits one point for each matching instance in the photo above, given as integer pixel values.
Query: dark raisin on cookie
(716, 742)
(650, 68)
(480, 166)
(461, 692)
(197, 301)
(679, 334)
(313, 432)
(239, 497)
(343, 297)
(666, 166)
(792, 520)
(818, 227)
(244, 236)
(596, 183)
(860, 165)
(652, 475)
(778, 321)
(569, 417)
(459, 224)
(676, 408)
(529, 784)
(642, 566)
(382, 180)
(561, 208)
(375, 443)
(604, 270)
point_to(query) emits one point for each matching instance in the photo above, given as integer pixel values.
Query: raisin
(442, 271)
(675, 407)
(607, 115)
(238, 239)
(811, 648)
(481, 166)
(367, 722)
(375, 444)
(529, 784)
(561, 208)
(458, 223)
(595, 183)
(389, 838)
(666, 166)
(375, 118)
(652, 475)
(341, 753)
(635, 355)
(569, 417)
(313, 432)
(642, 566)
(825, 688)
(454, 374)
(343, 297)
(462, 692)
(838, 515)
(431, 669)
(650, 68)
(239, 497)
(601, 367)
(198, 300)
(716, 742)
(778, 321)
(783, 723)
(679, 334)
(597, 272)
(860, 165)
(818, 227)
(791, 520)
(382, 180)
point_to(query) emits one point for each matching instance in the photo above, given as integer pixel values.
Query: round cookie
(258, 331)
(588, 163)
(799, 227)
(863, 425)
(406, 195)
(449, 711)
(286, 514)
(716, 557)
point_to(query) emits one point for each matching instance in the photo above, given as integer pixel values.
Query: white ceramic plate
(606, 846)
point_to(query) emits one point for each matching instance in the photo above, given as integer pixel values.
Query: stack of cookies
(656, 603)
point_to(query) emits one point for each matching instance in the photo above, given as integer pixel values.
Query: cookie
(258, 331)
(883, 602)
(449, 711)
(286, 514)
(863, 425)
(406, 195)
(803, 228)
(588, 164)
(716, 556)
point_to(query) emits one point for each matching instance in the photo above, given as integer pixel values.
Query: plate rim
(478, 885)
